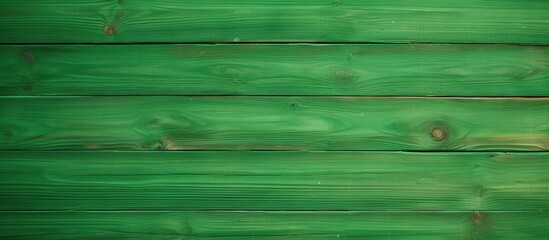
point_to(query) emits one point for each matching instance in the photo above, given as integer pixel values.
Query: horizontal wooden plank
(366, 70)
(275, 225)
(232, 180)
(95, 21)
(273, 123)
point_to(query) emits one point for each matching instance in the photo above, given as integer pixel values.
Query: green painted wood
(367, 70)
(233, 180)
(273, 123)
(275, 225)
(95, 21)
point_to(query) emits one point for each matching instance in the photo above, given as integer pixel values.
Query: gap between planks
(524, 98)
(273, 211)
(270, 43)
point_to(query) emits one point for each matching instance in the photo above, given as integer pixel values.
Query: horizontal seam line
(267, 43)
(290, 96)
(281, 151)
(268, 211)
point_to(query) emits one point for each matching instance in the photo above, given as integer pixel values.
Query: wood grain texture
(290, 69)
(98, 21)
(275, 225)
(273, 123)
(266, 180)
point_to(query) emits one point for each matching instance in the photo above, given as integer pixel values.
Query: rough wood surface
(448, 136)
(275, 225)
(290, 69)
(97, 21)
(265, 180)
(273, 123)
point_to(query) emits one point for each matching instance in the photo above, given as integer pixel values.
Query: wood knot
(27, 85)
(480, 191)
(153, 121)
(159, 146)
(438, 134)
(293, 105)
(232, 73)
(345, 77)
(478, 217)
(109, 30)
(8, 134)
(188, 229)
(29, 57)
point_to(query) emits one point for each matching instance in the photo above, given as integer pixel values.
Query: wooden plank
(273, 123)
(291, 69)
(471, 21)
(274, 225)
(265, 180)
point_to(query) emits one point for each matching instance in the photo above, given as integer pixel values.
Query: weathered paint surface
(336, 119)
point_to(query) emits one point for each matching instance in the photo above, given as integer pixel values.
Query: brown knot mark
(109, 30)
(478, 217)
(438, 134)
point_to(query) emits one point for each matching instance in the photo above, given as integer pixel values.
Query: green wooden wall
(241, 119)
